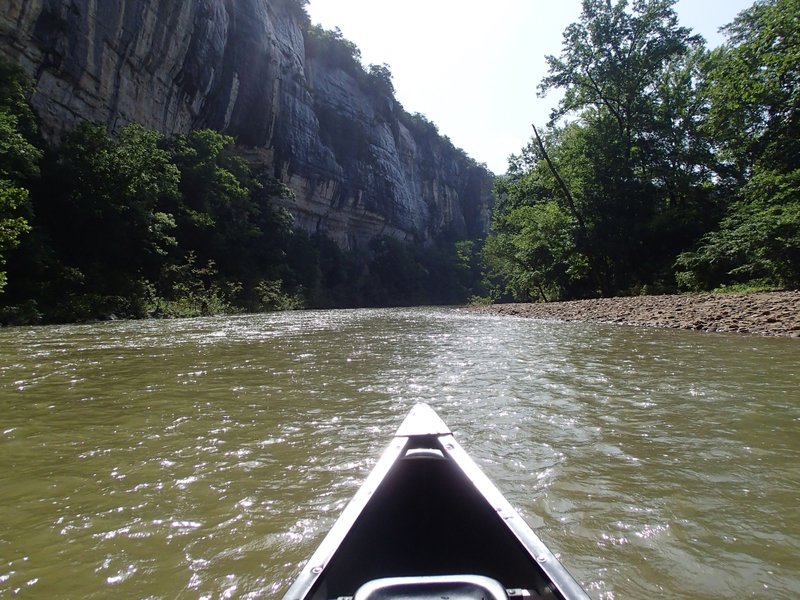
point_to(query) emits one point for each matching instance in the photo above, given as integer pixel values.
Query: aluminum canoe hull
(427, 510)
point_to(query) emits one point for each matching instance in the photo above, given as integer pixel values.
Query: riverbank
(767, 313)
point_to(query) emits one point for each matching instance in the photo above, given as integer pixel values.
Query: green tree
(226, 218)
(538, 251)
(217, 215)
(381, 77)
(12, 225)
(631, 72)
(754, 87)
(603, 203)
(19, 160)
(334, 49)
(613, 59)
(758, 242)
(539, 247)
(193, 290)
(104, 212)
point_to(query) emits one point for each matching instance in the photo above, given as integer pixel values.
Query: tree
(217, 215)
(104, 211)
(613, 59)
(754, 87)
(19, 159)
(12, 225)
(539, 247)
(381, 77)
(334, 49)
(623, 158)
(758, 242)
(535, 256)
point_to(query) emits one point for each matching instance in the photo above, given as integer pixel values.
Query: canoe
(428, 524)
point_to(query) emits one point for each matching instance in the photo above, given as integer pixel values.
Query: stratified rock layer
(356, 162)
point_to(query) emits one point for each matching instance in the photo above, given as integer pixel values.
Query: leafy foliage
(658, 146)
(758, 240)
(334, 49)
(102, 207)
(19, 160)
(381, 76)
(193, 290)
(138, 225)
(754, 87)
(12, 226)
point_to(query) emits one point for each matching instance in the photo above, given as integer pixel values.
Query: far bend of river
(206, 458)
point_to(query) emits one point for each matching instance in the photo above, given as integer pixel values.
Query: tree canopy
(664, 166)
(754, 117)
(19, 160)
(138, 224)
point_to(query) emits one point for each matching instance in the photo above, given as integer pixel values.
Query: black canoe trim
(420, 425)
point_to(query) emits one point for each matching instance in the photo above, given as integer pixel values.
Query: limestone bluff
(358, 163)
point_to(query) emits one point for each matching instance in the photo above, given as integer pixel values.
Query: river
(206, 458)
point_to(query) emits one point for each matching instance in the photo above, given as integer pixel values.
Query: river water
(206, 458)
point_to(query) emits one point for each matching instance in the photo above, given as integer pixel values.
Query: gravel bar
(767, 313)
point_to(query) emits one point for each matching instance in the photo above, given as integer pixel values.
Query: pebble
(767, 313)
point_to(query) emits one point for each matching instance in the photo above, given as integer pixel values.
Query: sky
(472, 66)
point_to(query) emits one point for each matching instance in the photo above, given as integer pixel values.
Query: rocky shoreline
(767, 313)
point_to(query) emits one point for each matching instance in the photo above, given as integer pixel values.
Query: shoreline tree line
(143, 225)
(138, 224)
(665, 167)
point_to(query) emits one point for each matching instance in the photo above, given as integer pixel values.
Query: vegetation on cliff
(666, 166)
(19, 158)
(139, 224)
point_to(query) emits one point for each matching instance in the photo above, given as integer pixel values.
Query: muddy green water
(206, 458)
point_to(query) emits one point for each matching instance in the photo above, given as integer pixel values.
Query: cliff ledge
(358, 163)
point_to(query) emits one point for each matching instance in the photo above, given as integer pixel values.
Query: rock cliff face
(358, 163)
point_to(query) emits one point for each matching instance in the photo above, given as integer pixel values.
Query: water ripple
(207, 457)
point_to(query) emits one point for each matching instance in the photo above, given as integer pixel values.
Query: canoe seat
(453, 587)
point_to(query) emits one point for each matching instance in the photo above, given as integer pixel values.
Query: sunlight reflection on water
(207, 457)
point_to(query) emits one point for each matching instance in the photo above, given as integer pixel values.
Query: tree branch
(570, 200)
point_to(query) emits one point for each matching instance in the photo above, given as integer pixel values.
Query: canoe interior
(427, 518)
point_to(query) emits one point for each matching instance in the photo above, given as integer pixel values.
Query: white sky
(472, 66)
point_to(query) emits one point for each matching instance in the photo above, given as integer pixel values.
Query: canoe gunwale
(424, 430)
(548, 562)
(315, 567)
